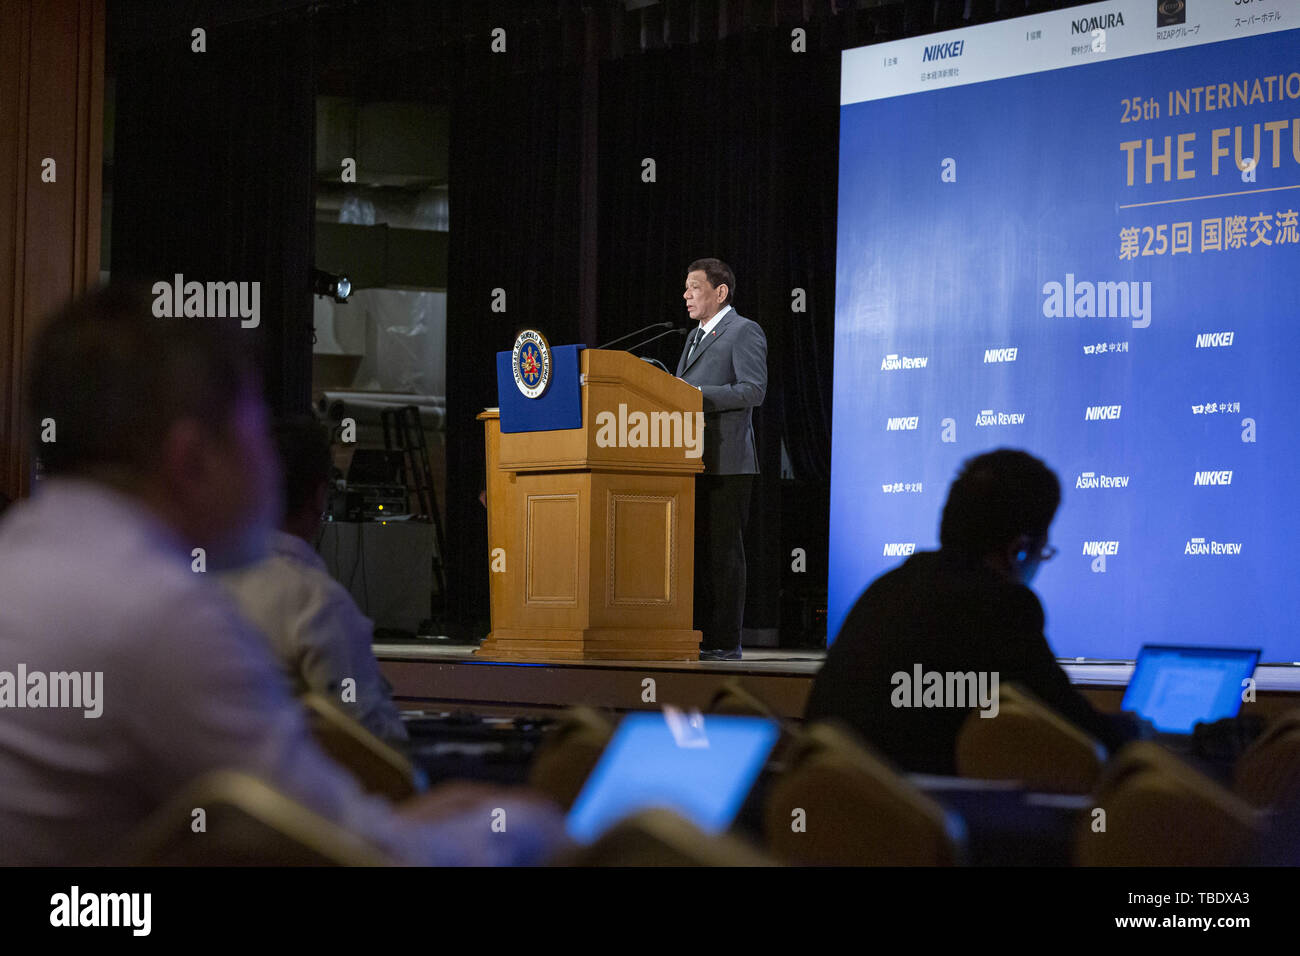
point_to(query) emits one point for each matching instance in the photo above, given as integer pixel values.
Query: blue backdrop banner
(1097, 261)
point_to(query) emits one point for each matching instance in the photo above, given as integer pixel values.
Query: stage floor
(451, 677)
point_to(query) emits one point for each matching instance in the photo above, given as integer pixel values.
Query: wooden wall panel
(51, 105)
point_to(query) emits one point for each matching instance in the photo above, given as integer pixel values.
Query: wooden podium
(591, 541)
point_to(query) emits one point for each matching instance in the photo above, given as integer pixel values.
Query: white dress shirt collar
(712, 324)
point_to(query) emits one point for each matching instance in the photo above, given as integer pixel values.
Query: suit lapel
(686, 348)
(710, 339)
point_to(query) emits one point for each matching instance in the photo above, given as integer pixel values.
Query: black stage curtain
(744, 135)
(212, 178)
(514, 170)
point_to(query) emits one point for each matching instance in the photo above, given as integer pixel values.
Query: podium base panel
(590, 644)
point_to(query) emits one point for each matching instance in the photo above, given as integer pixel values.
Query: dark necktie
(695, 340)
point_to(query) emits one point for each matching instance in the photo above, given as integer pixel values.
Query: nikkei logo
(894, 363)
(899, 549)
(1098, 413)
(904, 424)
(1199, 546)
(1212, 478)
(992, 356)
(990, 417)
(1095, 549)
(1213, 340)
(1091, 480)
(944, 51)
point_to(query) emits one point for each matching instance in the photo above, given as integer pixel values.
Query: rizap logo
(1101, 413)
(944, 51)
(899, 549)
(1199, 546)
(1090, 480)
(902, 424)
(1213, 340)
(1101, 300)
(1212, 478)
(653, 430)
(989, 417)
(1093, 549)
(213, 300)
(896, 363)
(959, 690)
(994, 356)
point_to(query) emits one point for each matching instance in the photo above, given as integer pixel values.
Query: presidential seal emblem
(531, 361)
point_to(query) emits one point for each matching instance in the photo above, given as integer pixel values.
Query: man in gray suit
(726, 359)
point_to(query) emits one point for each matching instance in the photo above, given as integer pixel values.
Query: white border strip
(1048, 41)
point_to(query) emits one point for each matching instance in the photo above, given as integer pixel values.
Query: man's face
(702, 299)
(239, 487)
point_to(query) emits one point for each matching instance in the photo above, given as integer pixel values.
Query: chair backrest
(1029, 742)
(1152, 809)
(840, 804)
(377, 766)
(230, 818)
(568, 753)
(662, 838)
(1268, 773)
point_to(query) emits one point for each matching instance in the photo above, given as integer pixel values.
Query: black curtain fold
(212, 178)
(514, 171)
(744, 135)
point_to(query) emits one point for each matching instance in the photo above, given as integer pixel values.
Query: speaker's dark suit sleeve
(1030, 662)
(749, 361)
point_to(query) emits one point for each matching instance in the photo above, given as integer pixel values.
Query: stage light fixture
(325, 283)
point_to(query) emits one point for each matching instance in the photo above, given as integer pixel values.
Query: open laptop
(1176, 687)
(699, 766)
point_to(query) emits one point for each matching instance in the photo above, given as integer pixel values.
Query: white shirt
(710, 325)
(91, 580)
(316, 631)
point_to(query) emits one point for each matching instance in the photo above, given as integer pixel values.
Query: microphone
(648, 328)
(655, 338)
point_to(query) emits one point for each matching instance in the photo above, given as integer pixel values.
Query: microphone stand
(655, 338)
(648, 328)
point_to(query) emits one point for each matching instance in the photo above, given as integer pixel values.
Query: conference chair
(659, 837)
(1029, 742)
(568, 753)
(230, 818)
(377, 766)
(1267, 775)
(733, 700)
(839, 804)
(1152, 809)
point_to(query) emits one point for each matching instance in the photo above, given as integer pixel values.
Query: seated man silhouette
(317, 632)
(964, 608)
(161, 471)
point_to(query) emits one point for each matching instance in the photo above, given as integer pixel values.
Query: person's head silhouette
(998, 513)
